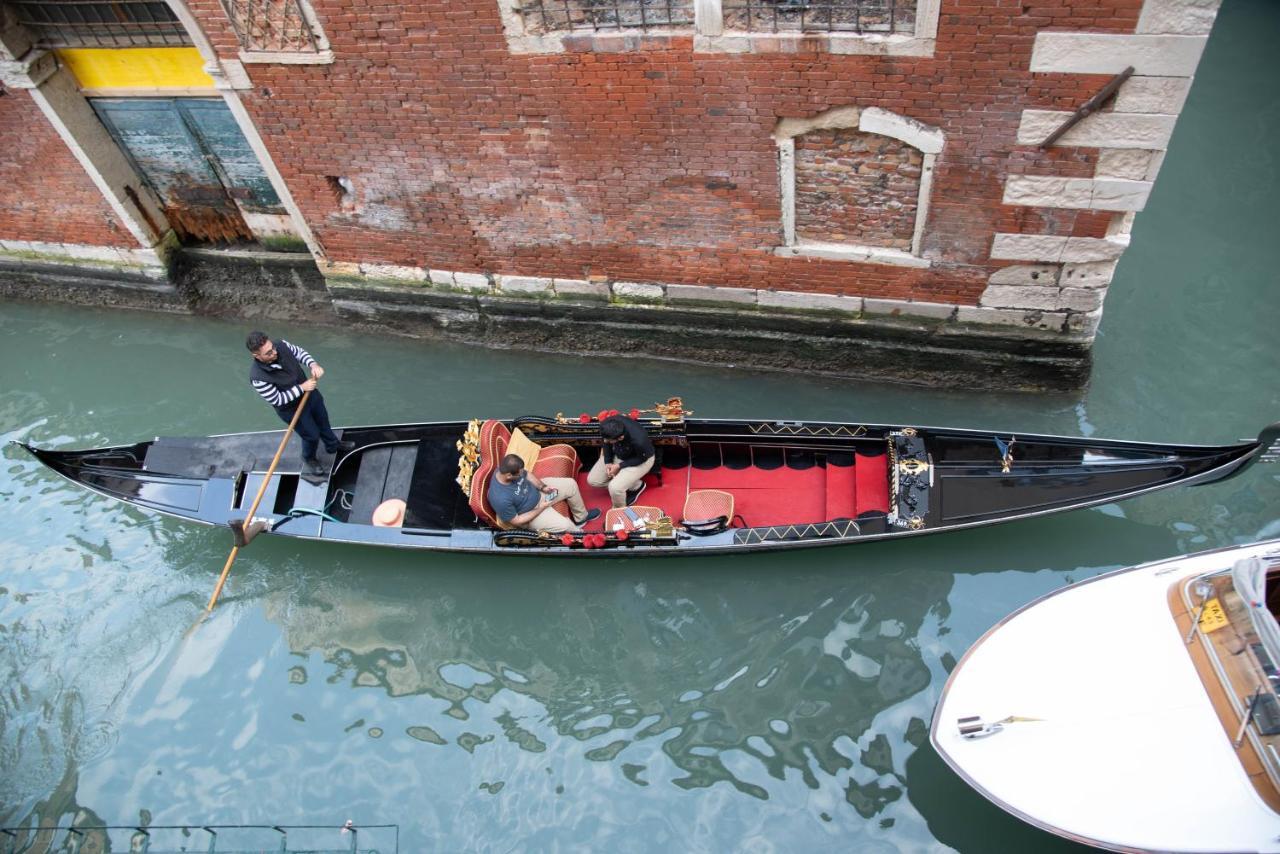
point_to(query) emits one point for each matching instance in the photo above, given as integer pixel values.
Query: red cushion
(494, 436)
(839, 492)
(872, 481)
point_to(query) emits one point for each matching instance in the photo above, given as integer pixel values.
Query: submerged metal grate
(271, 25)
(94, 23)
(821, 16)
(548, 16)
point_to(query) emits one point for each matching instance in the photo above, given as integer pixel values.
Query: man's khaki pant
(552, 519)
(624, 481)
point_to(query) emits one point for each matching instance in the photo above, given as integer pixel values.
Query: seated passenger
(625, 459)
(521, 500)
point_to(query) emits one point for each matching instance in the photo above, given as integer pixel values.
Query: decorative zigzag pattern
(806, 430)
(844, 528)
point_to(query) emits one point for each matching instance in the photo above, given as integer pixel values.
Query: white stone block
(1081, 299)
(1183, 17)
(1038, 275)
(1084, 323)
(1153, 168)
(1094, 248)
(471, 281)
(1109, 53)
(808, 302)
(1119, 195)
(394, 272)
(443, 278)
(92, 253)
(637, 290)
(1048, 192)
(341, 268)
(916, 134)
(1027, 247)
(1100, 130)
(1019, 296)
(1048, 320)
(907, 308)
(1153, 95)
(523, 284)
(581, 288)
(1128, 163)
(703, 293)
(1096, 274)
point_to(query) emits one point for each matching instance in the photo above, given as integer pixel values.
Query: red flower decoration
(601, 541)
(612, 412)
(602, 414)
(584, 418)
(622, 535)
(635, 414)
(567, 539)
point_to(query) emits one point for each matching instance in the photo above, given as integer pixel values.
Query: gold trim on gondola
(469, 454)
(913, 466)
(780, 429)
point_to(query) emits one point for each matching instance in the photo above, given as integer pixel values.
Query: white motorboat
(1135, 711)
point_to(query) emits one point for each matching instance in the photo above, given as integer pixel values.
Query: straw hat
(390, 513)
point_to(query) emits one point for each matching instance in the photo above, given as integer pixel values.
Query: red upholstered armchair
(553, 461)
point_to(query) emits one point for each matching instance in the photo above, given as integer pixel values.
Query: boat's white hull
(1125, 751)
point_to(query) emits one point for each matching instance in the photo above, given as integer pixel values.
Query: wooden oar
(266, 479)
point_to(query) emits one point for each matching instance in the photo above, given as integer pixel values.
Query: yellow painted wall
(137, 68)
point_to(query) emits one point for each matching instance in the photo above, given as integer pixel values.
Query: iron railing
(155, 839)
(272, 25)
(821, 16)
(548, 16)
(95, 23)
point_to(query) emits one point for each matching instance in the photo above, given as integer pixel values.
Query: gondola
(720, 485)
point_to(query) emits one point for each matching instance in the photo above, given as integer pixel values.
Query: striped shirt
(275, 395)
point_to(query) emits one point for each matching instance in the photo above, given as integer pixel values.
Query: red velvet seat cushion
(553, 461)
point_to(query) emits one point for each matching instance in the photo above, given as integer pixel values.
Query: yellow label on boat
(1213, 617)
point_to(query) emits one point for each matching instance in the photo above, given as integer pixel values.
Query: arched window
(855, 185)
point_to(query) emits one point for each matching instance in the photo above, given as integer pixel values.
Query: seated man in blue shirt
(520, 499)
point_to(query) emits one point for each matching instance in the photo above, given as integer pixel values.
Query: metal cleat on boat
(973, 728)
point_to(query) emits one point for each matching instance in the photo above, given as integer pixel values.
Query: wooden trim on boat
(1254, 765)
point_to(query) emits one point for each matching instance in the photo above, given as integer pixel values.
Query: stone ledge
(1052, 249)
(863, 254)
(1102, 194)
(1100, 130)
(532, 285)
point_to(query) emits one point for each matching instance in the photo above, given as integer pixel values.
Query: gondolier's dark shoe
(633, 494)
(312, 470)
(343, 447)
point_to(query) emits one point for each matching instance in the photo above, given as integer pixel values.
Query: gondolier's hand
(316, 372)
(309, 385)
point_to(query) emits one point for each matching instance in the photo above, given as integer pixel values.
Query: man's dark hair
(611, 428)
(511, 464)
(255, 340)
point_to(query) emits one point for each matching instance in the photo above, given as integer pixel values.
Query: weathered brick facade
(45, 195)
(464, 145)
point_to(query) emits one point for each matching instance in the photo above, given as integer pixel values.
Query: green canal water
(761, 703)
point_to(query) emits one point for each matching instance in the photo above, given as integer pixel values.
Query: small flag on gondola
(1006, 452)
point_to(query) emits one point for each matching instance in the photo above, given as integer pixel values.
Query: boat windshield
(1235, 615)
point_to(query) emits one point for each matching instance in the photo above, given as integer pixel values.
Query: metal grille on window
(271, 25)
(548, 16)
(94, 23)
(821, 16)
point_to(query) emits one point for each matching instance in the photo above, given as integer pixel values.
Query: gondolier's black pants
(313, 425)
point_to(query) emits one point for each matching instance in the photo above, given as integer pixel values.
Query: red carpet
(781, 496)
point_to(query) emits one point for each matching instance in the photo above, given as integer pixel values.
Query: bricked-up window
(550, 16)
(276, 26)
(855, 187)
(820, 16)
(121, 23)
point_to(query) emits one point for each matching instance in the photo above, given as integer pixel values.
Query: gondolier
(280, 375)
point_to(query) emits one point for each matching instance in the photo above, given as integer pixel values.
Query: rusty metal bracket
(1090, 106)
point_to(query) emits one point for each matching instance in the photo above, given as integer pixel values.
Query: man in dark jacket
(279, 375)
(625, 459)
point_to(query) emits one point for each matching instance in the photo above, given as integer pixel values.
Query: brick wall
(654, 164)
(45, 195)
(854, 187)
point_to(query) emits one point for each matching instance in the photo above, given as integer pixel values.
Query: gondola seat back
(707, 511)
(553, 461)
(871, 483)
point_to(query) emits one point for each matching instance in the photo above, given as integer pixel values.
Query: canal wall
(936, 173)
